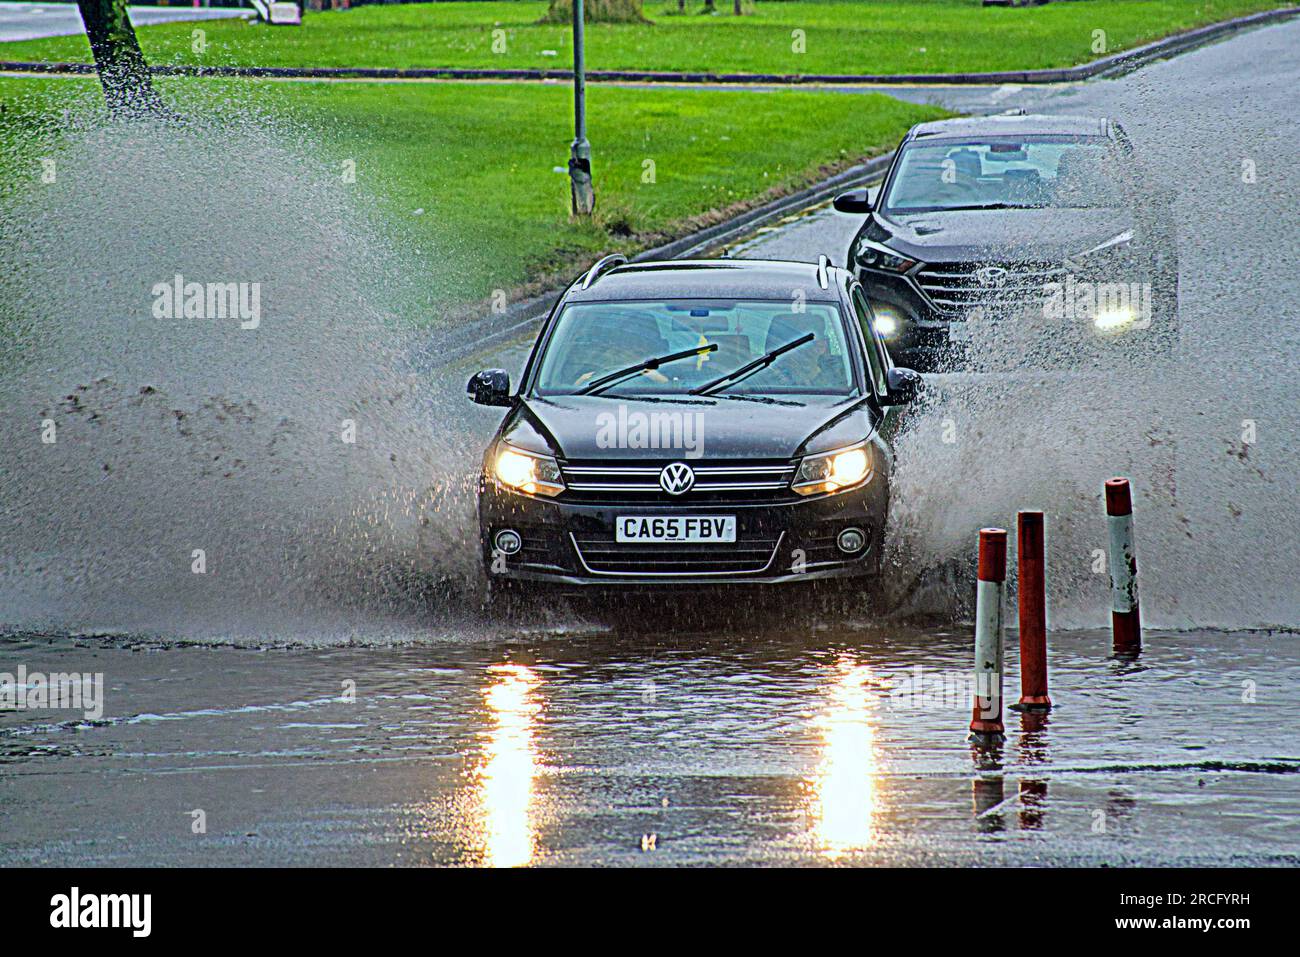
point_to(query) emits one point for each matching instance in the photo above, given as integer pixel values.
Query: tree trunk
(596, 11)
(123, 73)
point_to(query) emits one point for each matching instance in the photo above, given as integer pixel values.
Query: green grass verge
(478, 159)
(867, 36)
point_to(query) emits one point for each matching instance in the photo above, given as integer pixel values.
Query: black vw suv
(694, 423)
(994, 226)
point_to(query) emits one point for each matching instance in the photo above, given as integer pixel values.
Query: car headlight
(527, 472)
(833, 471)
(1114, 320)
(874, 256)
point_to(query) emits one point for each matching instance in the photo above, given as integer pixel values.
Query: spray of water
(193, 476)
(1206, 431)
(172, 465)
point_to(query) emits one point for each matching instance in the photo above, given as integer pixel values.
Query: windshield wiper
(765, 399)
(612, 378)
(749, 368)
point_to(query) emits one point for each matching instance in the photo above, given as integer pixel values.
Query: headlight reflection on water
(845, 785)
(505, 780)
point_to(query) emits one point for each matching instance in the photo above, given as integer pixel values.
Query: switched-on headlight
(833, 471)
(527, 472)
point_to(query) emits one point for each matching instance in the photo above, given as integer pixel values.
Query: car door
(878, 362)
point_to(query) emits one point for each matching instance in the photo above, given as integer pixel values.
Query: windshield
(592, 340)
(1002, 172)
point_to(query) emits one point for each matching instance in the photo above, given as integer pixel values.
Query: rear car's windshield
(595, 339)
(1002, 172)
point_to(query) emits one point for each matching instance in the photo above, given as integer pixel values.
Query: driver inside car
(809, 366)
(641, 340)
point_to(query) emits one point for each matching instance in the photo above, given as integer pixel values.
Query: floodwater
(804, 744)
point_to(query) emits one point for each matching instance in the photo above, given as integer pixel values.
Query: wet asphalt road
(797, 745)
(773, 738)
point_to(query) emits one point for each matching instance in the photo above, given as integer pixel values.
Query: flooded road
(432, 733)
(800, 745)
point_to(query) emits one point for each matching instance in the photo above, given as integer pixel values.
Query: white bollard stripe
(1123, 564)
(989, 629)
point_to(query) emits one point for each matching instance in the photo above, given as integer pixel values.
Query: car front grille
(638, 483)
(958, 288)
(601, 555)
(540, 545)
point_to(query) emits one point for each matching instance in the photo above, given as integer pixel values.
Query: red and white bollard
(1031, 564)
(1125, 619)
(986, 714)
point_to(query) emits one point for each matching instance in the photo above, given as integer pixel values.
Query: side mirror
(489, 387)
(904, 385)
(854, 201)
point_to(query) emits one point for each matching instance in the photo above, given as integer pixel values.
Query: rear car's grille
(714, 482)
(603, 556)
(958, 288)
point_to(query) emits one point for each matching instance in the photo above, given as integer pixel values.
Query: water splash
(1208, 433)
(182, 434)
(208, 475)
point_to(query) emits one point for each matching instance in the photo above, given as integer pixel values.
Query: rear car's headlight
(833, 471)
(527, 472)
(1114, 320)
(875, 256)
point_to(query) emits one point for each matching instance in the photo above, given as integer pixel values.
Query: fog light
(1113, 320)
(508, 542)
(851, 540)
(888, 321)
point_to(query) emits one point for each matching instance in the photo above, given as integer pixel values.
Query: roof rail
(602, 266)
(823, 278)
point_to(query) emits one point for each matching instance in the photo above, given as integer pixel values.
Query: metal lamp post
(584, 197)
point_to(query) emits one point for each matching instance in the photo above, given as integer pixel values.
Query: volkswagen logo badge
(676, 478)
(991, 276)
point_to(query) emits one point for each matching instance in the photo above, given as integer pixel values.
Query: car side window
(875, 351)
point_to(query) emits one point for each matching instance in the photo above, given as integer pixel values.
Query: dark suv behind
(1002, 225)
